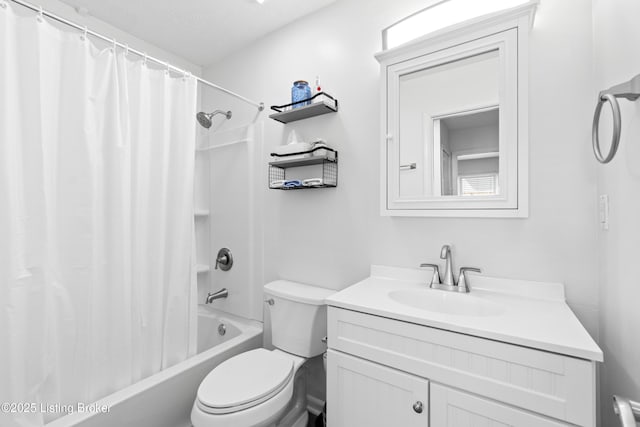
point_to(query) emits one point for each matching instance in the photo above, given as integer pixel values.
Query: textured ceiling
(201, 31)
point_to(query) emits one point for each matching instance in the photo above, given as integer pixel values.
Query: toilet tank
(298, 317)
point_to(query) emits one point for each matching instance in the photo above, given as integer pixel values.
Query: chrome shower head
(205, 118)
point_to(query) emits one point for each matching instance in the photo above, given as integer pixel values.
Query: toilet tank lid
(299, 292)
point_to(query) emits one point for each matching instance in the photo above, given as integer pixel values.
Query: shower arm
(224, 113)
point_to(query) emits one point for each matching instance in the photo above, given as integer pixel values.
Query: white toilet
(262, 387)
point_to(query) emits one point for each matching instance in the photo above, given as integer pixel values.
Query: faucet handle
(435, 279)
(224, 259)
(462, 278)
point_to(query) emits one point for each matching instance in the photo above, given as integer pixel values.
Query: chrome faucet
(212, 296)
(445, 254)
(448, 282)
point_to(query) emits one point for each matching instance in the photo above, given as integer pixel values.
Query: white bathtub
(165, 399)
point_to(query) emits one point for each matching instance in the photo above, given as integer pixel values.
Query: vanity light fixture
(260, 1)
(440, 15)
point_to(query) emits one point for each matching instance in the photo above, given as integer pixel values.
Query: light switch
(604, 211)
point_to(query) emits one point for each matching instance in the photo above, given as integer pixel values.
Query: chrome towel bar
(629, 90)
(627, 410)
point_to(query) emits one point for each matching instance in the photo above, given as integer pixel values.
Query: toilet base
(300, 422)
(296, 414)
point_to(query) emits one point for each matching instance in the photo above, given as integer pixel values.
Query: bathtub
(165, 399)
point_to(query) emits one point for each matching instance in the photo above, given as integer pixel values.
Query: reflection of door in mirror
(445, 156)
(468, 144)
(444, 113)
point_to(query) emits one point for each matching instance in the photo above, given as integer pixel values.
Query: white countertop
(533, 314)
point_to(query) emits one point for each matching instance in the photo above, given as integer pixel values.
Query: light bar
(441, 15)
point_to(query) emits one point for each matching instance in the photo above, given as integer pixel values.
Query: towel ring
(617, 123)
(629, 90)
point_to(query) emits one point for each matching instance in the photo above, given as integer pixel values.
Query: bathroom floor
(314, 420)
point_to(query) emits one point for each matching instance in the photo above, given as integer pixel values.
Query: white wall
(616, 38)
(478, 166)
(65, 11)
(330, 237)
(476, 139)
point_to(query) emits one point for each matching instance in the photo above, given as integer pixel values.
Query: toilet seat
(245, 381)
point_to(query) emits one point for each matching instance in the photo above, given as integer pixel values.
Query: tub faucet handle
(224, 259)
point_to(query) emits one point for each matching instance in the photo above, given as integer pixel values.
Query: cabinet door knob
(417, 407)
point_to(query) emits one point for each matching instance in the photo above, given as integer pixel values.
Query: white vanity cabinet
(386, 372)
(454, 408)
(370, 394)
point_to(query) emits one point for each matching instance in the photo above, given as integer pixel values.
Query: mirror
(454, 124)
(449, 114)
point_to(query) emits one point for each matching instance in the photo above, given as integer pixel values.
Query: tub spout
(212, 296)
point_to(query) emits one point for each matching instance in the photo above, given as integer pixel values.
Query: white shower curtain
(97, 277)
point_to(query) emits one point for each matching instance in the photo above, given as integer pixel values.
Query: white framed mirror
(454, 121)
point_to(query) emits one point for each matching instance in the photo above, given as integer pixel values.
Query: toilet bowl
(261, 388)
(251, 389)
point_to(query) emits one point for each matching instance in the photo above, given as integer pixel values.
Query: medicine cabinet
(454, 120)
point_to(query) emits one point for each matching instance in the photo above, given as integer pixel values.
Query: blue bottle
(299, 92)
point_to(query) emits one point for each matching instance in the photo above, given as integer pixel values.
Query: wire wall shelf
(324, 157)
(320, 103)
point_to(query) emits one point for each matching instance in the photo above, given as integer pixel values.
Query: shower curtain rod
(42, 12)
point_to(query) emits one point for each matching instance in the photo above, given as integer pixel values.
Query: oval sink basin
(453, 303)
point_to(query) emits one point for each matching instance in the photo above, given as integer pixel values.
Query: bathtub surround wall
(616, 34)
(229, 187)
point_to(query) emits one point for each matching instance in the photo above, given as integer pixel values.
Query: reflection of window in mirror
(478, 185)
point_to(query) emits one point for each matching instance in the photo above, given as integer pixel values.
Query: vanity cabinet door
(362, 393)
(554, 385)
(453, 408)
